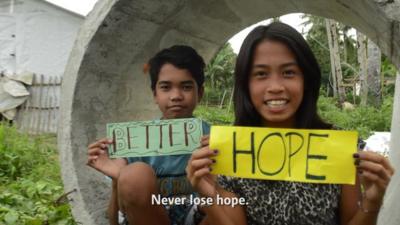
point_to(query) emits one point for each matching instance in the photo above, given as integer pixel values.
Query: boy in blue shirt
(177, 77)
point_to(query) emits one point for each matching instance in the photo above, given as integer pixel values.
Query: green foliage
(214, 115)
(348, 47)
(388, 71)
(318, 41)
(219, 75)
(363, 119)
(30, 183)
(220, 69)
(317, 38)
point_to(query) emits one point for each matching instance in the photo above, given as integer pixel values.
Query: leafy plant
(219, 76)
(30, 181)
(214, 115)
(363, 119)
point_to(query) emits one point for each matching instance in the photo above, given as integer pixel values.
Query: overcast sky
(83, 7)
(293, 20)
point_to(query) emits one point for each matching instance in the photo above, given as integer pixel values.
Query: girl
(277, 82)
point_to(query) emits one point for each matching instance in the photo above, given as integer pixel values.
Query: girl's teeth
(276, 102)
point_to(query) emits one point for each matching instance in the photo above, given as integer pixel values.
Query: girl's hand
(198, 170)
(375, 172)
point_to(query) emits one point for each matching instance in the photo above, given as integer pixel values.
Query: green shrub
(214, 115)
(30, 183)
(363, 119)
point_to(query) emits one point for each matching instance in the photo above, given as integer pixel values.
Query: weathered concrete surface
(104, 82)
(390, 213)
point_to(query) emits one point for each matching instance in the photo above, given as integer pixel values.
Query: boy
(177, 77)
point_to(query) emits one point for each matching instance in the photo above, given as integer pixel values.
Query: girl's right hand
(198, 169)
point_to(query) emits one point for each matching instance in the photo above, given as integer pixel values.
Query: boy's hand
(99, 160)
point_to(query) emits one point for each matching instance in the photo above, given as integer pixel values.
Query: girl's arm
(362, 207)
(198, 173)
(225, 214)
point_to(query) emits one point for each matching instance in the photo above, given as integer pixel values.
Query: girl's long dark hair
(306, 115)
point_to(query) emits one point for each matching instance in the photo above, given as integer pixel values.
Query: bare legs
(137, 182)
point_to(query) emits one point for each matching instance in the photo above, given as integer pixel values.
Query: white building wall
(7, 42)
(37, 37)
(45, 36)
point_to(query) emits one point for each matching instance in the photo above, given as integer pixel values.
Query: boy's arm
(113, 207)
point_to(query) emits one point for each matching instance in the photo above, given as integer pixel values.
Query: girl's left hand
(375, 172)
(198, 170)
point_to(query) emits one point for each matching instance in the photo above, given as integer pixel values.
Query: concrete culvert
(104, 82)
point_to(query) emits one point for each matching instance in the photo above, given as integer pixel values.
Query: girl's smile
(276, 105)
(276, 84)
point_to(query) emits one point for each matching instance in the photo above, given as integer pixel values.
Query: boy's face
(176, 92)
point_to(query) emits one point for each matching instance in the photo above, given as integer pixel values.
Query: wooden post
(46, 125)
(39, 105)
(31, 112)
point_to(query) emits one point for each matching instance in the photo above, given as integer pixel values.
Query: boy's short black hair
(182, 57)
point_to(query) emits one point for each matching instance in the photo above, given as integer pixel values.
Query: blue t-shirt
(170, 170)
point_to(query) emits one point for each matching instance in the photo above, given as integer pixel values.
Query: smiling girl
(277, 82)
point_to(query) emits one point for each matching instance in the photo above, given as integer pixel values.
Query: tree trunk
(333, 75)
(230, 101)
(374, 78)
(222, 100)
(345, 38)
(362, 60)
(336, 69)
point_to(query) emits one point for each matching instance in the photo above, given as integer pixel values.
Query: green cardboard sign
(154, 138)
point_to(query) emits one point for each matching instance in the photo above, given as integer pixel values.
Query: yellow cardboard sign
(314, 156)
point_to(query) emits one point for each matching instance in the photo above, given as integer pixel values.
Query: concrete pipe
(104, 82)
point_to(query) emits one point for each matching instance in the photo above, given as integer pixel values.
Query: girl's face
(276, 84)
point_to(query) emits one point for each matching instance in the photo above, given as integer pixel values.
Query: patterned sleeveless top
(286, 203)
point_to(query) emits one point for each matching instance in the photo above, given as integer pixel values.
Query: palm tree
(362, 60)
(336, 67)
(219, 72)
(374, 74)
